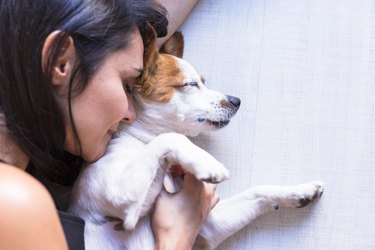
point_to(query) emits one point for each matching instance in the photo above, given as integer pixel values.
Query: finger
(211, 194)
(191, 181)
(215, 200)
(210, 186)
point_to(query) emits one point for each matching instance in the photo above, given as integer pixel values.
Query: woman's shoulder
(26, 209)
(20, 186)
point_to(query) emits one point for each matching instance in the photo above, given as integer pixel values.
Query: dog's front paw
(303, 194)
(193, 159)
(213, 172)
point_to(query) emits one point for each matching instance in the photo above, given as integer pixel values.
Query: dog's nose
(235, 101)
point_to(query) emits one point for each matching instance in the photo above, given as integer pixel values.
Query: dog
(116, 194)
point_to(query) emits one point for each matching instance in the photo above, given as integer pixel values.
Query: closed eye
(187, 84)
(193, 84)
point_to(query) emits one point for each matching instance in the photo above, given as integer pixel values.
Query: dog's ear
(150, 60)
(150, 47)
(174, 45)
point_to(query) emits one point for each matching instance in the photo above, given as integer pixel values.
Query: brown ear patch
(174, 45)
(150, 59)
(160, 72)
(160, 86)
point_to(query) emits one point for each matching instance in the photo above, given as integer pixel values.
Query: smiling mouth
(218, 124)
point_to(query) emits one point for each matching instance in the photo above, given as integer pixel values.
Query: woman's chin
(94, 154)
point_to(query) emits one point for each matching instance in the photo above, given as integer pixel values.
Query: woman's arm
(178, 11)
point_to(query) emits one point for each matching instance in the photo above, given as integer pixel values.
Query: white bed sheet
(305, 71)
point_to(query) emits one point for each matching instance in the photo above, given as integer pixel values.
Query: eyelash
(193, 84)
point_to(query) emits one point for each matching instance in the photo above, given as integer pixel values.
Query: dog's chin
(214, 124)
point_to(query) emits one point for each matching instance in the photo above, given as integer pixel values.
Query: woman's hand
(178, 217)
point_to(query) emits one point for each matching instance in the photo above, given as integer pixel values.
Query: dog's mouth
(217, 124)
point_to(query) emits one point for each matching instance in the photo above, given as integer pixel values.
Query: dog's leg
(176, 149)
(132, 200)
(180, 150)
(230, 215)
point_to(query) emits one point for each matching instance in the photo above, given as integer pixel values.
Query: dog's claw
(211, 180)
(303, 202)
(316, 191)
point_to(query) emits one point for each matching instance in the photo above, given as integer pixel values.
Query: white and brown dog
(115, 194)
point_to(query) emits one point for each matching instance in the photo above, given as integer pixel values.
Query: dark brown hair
(33, 114)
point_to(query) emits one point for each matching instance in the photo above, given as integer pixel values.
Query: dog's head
(170, 92)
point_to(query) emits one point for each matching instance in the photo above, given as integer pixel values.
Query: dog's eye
(193, 84)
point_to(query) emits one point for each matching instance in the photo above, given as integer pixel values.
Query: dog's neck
(137, 130)
(145, 129)
(151, 121)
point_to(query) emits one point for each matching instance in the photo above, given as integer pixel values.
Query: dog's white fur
(115, 194)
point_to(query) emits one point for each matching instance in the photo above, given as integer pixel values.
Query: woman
(66, 73)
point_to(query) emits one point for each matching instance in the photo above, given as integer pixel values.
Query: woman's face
(105, 102)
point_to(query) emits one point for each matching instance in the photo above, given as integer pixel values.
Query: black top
(73, 226)
(74, 230)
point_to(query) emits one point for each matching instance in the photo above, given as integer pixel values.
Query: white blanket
(305, 71)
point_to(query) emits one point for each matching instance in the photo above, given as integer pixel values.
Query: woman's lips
(111, 132)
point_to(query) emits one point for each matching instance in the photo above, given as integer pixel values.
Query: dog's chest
(126, 143)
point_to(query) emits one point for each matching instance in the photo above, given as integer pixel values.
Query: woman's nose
(130, 114)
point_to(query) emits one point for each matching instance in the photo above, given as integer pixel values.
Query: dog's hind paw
(314, 190)
(303, 194)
